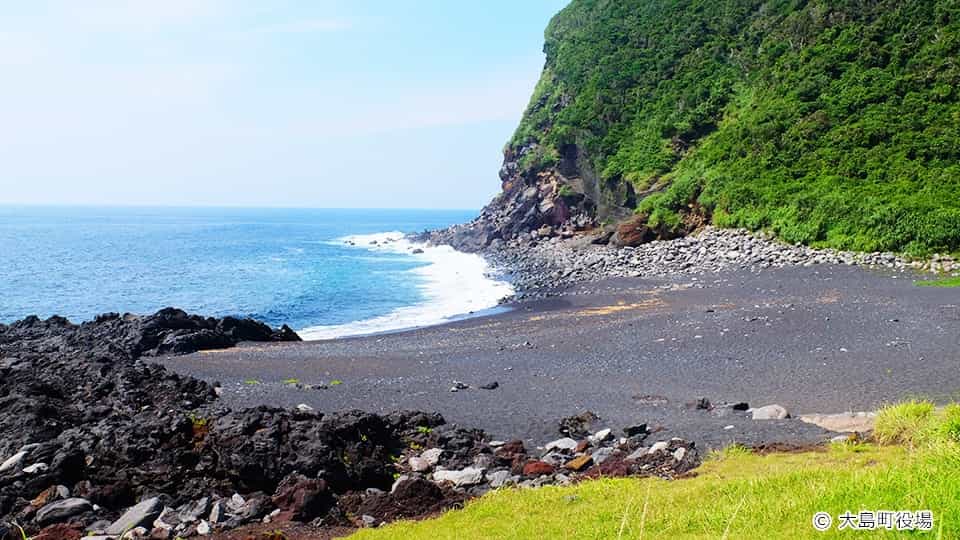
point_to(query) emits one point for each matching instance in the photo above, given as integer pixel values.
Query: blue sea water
(282, 266)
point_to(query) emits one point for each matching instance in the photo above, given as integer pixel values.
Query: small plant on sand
(336, 382)
(251, 382)
(291, 382)
(730, 452)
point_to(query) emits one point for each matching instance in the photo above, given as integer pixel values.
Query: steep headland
(833, 124)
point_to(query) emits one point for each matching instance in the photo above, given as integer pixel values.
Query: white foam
(453, 284)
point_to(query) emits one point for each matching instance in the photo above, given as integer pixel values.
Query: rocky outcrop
(92, 432)
(98, 442)
(537, 202)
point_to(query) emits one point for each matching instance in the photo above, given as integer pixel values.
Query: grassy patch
(946, 282)
(251, 382)
(336, 382)
(904, 423)
(736, 493)
(291, 382)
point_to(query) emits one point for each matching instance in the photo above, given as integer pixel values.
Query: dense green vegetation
(831, 123)
(737, 493)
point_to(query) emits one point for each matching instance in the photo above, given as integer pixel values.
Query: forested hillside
(829, 123)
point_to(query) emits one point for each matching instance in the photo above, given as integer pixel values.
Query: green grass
(251, 382)
(291, 382)
(946, 282)
(904, 423)
(736, 493)
(336, 382)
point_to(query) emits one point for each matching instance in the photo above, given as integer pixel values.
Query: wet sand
(813, 339)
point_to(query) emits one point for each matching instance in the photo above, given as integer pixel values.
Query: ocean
(326, 273)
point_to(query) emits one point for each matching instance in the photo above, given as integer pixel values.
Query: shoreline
(452, 284)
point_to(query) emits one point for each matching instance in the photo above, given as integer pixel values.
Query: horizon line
(228, 206)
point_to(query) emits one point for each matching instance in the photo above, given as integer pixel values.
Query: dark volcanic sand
(813, 339)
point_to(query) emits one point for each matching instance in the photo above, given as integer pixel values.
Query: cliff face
(829, 123)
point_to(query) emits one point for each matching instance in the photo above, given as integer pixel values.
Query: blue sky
(322, 103)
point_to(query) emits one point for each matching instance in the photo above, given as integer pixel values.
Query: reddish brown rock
(60, 531)
(634, 232)
(581, 447)
(301, 499)
(511, 448)
(614, 466)
(537, 468)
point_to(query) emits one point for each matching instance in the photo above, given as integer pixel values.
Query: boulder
(465, 477)
(432, 456)
(143, 513)
(770, 412)
(299, 498)
(59, 511)
(601, 435)
(565, 443)
(418, 464)
(537, 468)
(658, 446)
(633, 232)
(579, 463)
(13, 463)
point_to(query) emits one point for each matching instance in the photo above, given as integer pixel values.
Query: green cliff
(829, 123)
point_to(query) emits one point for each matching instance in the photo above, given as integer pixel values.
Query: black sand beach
(819, 339)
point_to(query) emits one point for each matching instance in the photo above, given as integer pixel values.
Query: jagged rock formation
(97, 441)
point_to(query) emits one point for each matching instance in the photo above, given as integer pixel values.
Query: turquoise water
(278, 265)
